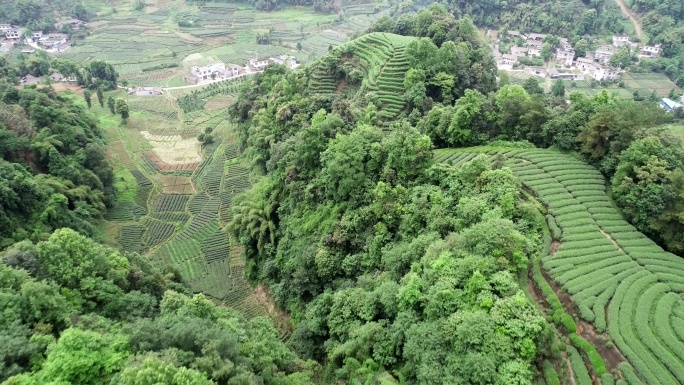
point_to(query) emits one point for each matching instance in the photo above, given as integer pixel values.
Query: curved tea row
(619, 279)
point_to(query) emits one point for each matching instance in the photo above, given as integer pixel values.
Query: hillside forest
(392, 264)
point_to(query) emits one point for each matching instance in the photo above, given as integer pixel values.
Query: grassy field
(622, 289)
(149, 47)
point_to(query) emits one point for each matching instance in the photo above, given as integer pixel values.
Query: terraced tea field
(153, 48)
(177, 217)
(620, 281)
(381, 57)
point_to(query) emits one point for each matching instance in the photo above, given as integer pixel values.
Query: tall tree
(87, 95)
(100, 97)
(121, 108)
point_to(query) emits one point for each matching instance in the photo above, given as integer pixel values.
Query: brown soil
(279, 316)
(632, 17)
(538, 296)
(163, 166)
(555, 245)
(612, 356)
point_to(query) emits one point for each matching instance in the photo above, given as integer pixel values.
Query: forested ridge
(351, 207)
(393, 266)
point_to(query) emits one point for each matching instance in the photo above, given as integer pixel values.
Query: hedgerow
(592, 354)
(579, 371)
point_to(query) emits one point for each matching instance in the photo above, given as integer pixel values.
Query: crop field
(628, 287)
(643, 83)
(149, 49)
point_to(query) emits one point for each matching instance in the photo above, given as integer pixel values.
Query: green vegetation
(53, 168)
(84, 313)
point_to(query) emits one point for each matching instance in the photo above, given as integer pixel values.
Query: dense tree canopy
(53, 167)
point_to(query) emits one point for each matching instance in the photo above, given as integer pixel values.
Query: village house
(287, 60)
(13, 34)
(36, 35)
(209, 72)
(583, 63)
(508, 59)
(232, 70)
(604, 53)
(620, 41)
(533, 48)
(564, 57)
(565, 45)
(28, 51)
(5, 27)
(605, 73)
(258, 65)
(514, 34)
(651, 51)
(146, 91)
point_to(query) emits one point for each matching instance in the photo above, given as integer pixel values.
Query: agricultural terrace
(382, 59)
(157, 47)
(175, 196)
(620, 281)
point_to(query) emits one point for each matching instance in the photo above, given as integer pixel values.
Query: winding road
(627, 12)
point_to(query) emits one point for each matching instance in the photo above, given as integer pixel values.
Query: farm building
(28, 51)
(669, 104)
(651, 51)
(604, 53)
(563, 74)
(145, 91)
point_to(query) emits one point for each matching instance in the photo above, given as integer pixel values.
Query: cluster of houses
(56, 42)
(55, 78)
(595, 64)
(221, 71)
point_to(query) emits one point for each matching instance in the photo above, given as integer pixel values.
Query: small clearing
(173, 149)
